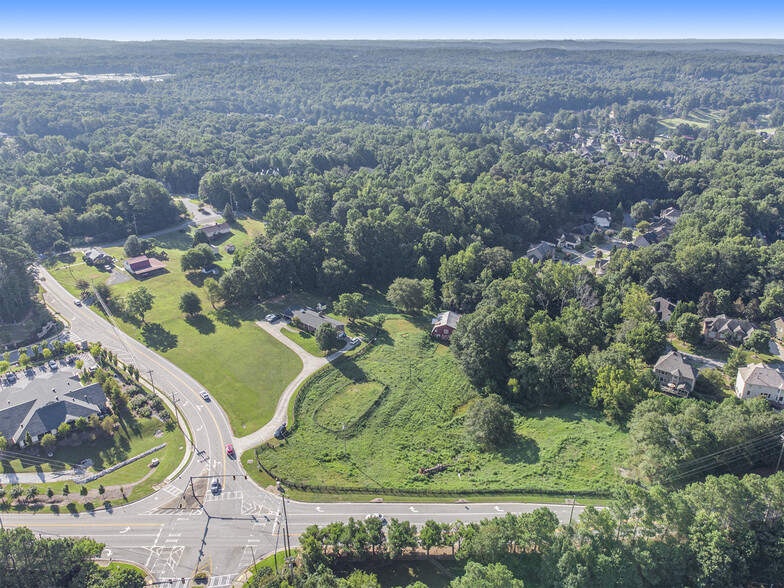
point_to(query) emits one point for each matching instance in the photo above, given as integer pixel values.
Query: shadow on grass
(71, 507)
(228, 317)
(522, 450)
(197, 278)
(90, 508)
(108, 506)
(158, 338)
(55, 509)
(202, 323)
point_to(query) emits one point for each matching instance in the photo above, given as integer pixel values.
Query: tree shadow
(522, 450)
(202, 323)
(108, 506)
(197, 278)
(158, 338)
(55, 509)
(228, 317)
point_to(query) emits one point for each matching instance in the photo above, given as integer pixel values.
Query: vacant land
(419, 423)
(243, 367)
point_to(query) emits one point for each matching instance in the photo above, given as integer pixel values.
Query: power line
(746, 454)
(720, 451)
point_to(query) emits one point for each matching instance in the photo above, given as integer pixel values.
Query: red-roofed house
(444, 324)
(143, 266)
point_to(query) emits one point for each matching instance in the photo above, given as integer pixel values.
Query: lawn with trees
(245, 369)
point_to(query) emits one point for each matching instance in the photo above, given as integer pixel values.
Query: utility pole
(152, 382)
(345, 451)
(780, 453)
(571, 512)
(135, 228)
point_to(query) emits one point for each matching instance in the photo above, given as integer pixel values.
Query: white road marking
(318, 508)
(125, 530)
(412, 509)
(499, 509)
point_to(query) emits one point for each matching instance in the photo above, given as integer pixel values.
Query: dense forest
(429, 170)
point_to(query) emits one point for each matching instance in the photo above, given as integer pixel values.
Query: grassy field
(699, 117)
(304, 340)
(243, 367)
(418, 424)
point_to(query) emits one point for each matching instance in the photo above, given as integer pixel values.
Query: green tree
(758, 341)
(101, 490)
(190, 303)
(83, 491)
(213, 289)
(49, 492)
(4, 366)
(618, 390)
(24, 359)
(326, 337)
(626, 234)
(494, 575)
(138, 302)
(28, 439)
(123, 578)
(31, 493)
(47, 354)
(66, 490)
(431, 535)
(646, 340)
(48, 441)
(63, 430)
(736, 360)
(3, 443)
(401, 535)
(16, 492)
(228, 214)
(489, 422)
(687, 327)
(133, 247)
(352, 306)
(409, 295)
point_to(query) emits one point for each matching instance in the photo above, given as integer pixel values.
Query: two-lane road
(183, 527)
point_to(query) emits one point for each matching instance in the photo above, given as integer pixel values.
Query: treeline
(723, 532)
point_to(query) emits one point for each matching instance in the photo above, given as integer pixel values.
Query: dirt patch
(158, 433)
(118, 277)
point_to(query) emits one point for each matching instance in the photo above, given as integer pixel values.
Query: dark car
(280, 433)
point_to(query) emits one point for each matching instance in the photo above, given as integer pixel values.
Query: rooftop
(311, 318)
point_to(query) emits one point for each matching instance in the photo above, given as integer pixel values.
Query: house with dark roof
(759, 380)
(39, 405)
(444, 325)
(540, 252)
(310, 320)
(645, 240)
(143, 266)
(663, 308)
(95, 256)
(602, 219)
(721, 328)
(215, 230)
(671, 214)
(675, 374)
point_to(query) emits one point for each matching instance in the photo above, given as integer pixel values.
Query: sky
(406, 19)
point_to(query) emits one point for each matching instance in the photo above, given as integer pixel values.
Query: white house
(602, 219)
(759, 380)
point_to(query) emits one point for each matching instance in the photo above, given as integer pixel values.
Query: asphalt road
(183, 527)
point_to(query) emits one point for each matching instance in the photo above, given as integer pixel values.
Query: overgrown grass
(243, 367)
(419, 424)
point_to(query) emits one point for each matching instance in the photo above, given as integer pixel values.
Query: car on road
(215, 486)
(52, 364)
(376, 515)
(204, 395)
(77, 302)
(270, 317)
(230, 450)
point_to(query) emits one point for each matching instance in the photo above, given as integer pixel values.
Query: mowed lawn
(418, 423)
(243, 367)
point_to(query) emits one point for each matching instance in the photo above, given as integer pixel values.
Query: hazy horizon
(404, 20)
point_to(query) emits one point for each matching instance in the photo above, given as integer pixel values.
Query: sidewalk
(310, 365)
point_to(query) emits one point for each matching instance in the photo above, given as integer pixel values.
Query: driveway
(310, 365)
(704, 361)
(200, 217)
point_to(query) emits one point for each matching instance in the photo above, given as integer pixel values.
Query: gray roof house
(602, 218)
(311, 319)
(42, 408)
(540, 252)
(777, 327)
(671, 214)
(663, 308)
(721, 328)
(760, 380)
(674, 373)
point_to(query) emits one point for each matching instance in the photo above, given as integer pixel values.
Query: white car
(77, 302)
(204, 395)
(376, 515)
(270, 317)
(215, 486)
(52, 364)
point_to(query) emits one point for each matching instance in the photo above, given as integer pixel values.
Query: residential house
(777, 328)
(759, 380)
(645, 240)
(569, 241)
(672, 156)
(602, 219)
(310, 320)
(214, 230)
(663, 308)
(540, 252)
(674, 373)
(95, 256)
(721, 328)
(671, 214)
(211, 269)
(143, 266)
(444, 324)
(41, 405)
(600, 266)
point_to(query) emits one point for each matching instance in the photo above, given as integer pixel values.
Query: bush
(489, 422)
(144, 412)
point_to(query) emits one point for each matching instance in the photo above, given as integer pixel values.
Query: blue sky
(407, 19)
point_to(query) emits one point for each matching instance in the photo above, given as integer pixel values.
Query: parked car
(52, 364)
(270, 317)
(280, 432)
(154, 463)
(215, 486)
(377, 515)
